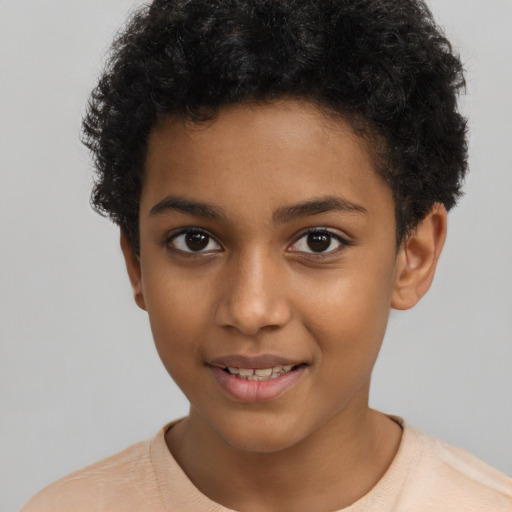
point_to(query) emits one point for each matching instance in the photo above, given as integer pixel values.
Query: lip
(255, 362)
(254, 391)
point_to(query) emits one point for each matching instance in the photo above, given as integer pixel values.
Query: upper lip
(260, 361)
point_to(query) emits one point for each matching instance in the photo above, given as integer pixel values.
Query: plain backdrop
(80, 378)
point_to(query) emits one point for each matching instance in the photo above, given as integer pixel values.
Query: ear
(417, 259)
(134, 272)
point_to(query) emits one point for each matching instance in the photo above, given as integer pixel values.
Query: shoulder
(454, 479)
(125, 481)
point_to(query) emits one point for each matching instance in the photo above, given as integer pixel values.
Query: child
(280, 172)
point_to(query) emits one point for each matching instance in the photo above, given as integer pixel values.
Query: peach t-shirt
(426, 475)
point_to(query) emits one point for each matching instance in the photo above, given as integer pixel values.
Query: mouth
(256, 379)
(270, 373)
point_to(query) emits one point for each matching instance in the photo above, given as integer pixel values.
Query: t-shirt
(425, 475)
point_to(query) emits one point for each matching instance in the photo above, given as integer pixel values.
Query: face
(267, 267)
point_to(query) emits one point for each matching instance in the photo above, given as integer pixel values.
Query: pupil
(318, 242)
(196, 241)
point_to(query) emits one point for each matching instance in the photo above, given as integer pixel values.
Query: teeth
(259, 373)
(263, 372)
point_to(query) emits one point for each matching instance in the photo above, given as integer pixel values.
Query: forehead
(260, 155)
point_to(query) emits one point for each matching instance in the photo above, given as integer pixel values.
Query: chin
(259, 435)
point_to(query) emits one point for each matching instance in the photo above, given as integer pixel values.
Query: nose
(254, 295)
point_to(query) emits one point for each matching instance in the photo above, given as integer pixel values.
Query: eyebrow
(188, 206)
(281, 215)
(315, 206)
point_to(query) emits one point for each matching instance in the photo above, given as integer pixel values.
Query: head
(384, 67)
(280, 172)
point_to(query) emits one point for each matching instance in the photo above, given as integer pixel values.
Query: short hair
(384, 66)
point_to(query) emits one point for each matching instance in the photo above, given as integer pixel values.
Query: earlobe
(417, 259)
(134, 271)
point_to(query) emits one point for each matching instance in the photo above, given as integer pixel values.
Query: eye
(319, 240)
(192, 240)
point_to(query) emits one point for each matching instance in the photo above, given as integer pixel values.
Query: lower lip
(256, 390)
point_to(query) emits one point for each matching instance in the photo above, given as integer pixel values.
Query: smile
(259, 373)
(256, 379)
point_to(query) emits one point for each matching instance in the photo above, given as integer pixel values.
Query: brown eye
(196, 241)
(193, 240)
(319, 242)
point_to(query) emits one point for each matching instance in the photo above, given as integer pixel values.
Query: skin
(258, 288)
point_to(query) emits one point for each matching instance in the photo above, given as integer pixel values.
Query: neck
(329, 470)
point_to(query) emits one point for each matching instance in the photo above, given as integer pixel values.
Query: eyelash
(173, 236)
(343, 242)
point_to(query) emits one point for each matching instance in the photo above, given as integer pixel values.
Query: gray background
(80, 378)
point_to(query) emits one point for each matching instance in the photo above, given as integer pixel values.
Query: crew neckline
(173, 482)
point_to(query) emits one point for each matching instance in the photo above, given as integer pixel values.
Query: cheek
(348, 343)
(356, 297)
(348, 315)
(179, 315)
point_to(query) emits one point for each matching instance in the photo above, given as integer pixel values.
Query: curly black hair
(383, 65)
